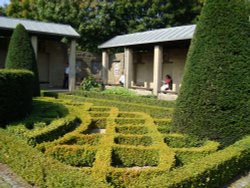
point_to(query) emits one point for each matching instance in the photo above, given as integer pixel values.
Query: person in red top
(167, 83)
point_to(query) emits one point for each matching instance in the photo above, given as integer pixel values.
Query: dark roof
(39, 27)
(153, 36)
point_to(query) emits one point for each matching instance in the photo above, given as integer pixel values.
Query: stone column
(34, 44)
(158, 60)
(72, 65)
(128, 52)
(105, 66)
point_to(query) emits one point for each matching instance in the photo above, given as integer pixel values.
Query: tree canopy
(99, 20)
(214, 100)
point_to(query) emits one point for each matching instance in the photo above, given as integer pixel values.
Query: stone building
(51, 53)
(147, 57)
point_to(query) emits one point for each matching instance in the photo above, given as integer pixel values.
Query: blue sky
(2, 2)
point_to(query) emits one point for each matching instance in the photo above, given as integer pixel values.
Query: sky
(2, 2)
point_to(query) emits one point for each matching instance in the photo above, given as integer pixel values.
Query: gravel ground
(8, 179)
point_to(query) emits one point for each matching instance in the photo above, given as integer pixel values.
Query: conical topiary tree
(21, 55)
(214, 100)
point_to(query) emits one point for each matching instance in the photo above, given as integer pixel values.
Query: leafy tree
(214, 99)
(99, 20)
(21, 9)
(21, 55)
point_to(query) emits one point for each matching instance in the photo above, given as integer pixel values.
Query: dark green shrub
(180, 141)
(21, 55)
(90, 83)
(214, 99)
(15, 95)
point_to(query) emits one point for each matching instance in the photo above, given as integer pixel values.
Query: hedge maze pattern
(117, 147)
(102, 140)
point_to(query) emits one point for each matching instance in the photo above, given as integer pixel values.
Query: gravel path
(8, 179)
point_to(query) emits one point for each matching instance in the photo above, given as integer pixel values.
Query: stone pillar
(158, 60)
(72, 65)
(34, 44)
(105, 66)
(128, 52)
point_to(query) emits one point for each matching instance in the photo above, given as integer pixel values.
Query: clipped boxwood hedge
(133, 140)
(121, 159)
(16, 94)
(73, 155)
(154, 110)
(131, 156)
(128, 99)
(38, 169)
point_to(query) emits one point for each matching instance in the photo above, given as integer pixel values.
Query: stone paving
(8, 179)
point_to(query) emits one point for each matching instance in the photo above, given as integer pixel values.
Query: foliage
(127, 157)
(90, 83)
(110, 17)
(73, 156)
(15, 95)
(133, 140)
(106, 155)
(21, 55)
(121, 91)
(128, 99)
(214, 100)
(37, 169)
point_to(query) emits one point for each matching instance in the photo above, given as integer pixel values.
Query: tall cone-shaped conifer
(21, 55)
(214, 100)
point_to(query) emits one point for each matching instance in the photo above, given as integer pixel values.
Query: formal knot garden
(72, 141)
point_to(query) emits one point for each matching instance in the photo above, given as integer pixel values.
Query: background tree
(21, 55)
(99, 20)
(214, 99)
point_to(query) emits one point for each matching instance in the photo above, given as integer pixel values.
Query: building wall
(116, 68)
(88, 64)
(173, 64)
(51, 61)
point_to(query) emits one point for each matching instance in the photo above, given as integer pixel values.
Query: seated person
(167, 84)
(122, 80)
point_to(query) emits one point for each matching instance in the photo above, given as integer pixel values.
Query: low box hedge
(39, 170)
(133, 140)
(16, 94)
(210, 171)
(131, 156)
(131, 129)
(80, 139)
(78, 156)
(99, 123)
(154, 111)
(130, 121)
(127, 99)
(56, 129)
